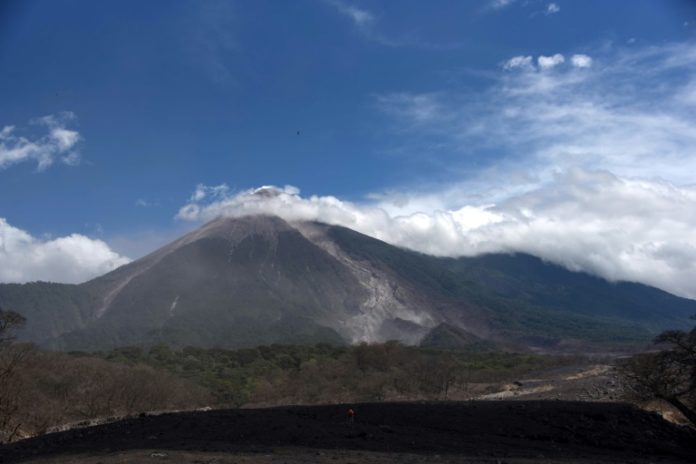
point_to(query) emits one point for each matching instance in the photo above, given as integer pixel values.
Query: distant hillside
(447, 337)
(261, 280)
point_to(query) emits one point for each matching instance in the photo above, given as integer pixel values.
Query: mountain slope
(261, 280)
(529, 296)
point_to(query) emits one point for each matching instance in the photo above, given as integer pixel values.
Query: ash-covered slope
(233, 282)
(261, 280)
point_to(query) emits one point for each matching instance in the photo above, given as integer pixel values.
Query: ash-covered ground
(518, 431)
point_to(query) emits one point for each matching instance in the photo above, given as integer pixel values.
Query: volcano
(253, 280)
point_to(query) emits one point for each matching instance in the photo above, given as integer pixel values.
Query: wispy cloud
(361, 18)
(629, 113)
(499, 4)
(144, 203)
(548, 9)
(50, 140)
(366, 23)
(209, 191)
(211, 43)
(552, 8)
(420, 108)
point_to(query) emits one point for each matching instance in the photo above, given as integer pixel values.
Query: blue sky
(124, 116)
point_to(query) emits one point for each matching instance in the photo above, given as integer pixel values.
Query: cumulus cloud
(548, 62)
(526, 63)
(373, 219)
(71, 259)
(54, 141)
(581, 61)
(519, 62)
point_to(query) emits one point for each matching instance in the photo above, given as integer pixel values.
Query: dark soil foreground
(542, 431)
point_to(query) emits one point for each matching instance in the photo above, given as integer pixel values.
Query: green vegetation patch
(322, 373)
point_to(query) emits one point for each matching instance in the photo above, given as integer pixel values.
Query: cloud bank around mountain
(599, 175)
(620, 229)
(71, 259)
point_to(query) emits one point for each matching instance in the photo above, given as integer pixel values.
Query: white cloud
(210, 41)
(56, 142)
(584, 220)
(420, 108)
(552, 8)
(361, 18)
(630, 114)
(599, 167)
(207, 191)
(71, 259)
(597, 172)
(548, 62)
(498, 4)
(519, 62)
(366, 23)
(581, 61)
(526, 63)
(143, 203)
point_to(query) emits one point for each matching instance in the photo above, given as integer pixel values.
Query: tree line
(41, 389)
(322, 373)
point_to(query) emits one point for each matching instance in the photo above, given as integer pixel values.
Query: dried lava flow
(554, 429)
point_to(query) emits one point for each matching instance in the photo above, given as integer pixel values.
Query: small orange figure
(351, 416)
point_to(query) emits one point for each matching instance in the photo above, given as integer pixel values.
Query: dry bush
(668, 375)
(50, 389)
(11, 357)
